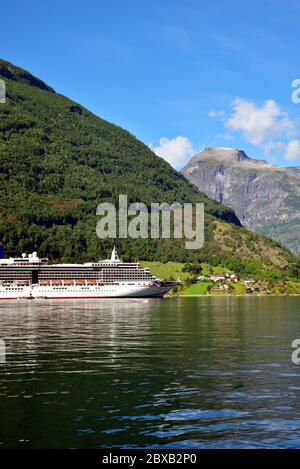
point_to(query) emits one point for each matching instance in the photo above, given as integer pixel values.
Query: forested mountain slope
(59, 161)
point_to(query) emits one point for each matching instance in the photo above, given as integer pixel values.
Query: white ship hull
(78, 291)
(31, 277)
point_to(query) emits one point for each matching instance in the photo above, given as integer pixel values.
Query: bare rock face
(266, 198)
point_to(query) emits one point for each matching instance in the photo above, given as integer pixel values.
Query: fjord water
(210, 372)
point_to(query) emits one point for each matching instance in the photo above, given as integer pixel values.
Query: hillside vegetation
(59, 161)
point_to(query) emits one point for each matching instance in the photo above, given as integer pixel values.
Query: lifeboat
(68, 282)
(56, 282)
(44, 282)
(91, 282)
(80, 282)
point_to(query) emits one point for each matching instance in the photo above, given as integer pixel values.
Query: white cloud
(292, 150)
(273, 150)
(176, 151)
(259, 124)
(289, 150)
(267, 127)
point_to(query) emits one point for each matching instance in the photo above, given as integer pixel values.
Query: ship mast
(114, 256)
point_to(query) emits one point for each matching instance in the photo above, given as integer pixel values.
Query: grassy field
(208, 269)
(173, 270)
(199, 288)
(168, 271)
(238, 289)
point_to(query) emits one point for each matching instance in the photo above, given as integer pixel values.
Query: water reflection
(198, 372)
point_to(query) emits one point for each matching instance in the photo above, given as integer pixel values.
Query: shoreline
(228, 295)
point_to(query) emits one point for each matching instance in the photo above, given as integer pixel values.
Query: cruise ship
(32, 277)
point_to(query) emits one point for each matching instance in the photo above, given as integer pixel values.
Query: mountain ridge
(265, 197)
(11, 72)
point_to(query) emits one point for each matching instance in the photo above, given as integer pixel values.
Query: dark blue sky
(169, 69)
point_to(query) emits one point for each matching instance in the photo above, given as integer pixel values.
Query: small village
(222, 283)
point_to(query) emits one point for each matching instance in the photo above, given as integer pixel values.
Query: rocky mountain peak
(224, 153)
(265, 197)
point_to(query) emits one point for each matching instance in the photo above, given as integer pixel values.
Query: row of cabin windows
(70, 277)
(26, 275)
(66, 289)
(133, 272)
(61, 288)
(21, 274)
